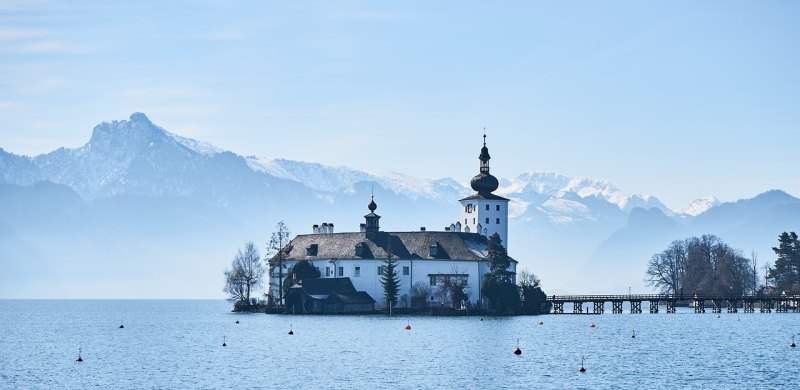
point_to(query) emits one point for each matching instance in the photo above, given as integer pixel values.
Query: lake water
(177, 344)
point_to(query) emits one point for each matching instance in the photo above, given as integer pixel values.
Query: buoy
(517, 351)
(224, 344)
(481, 318)
(582, 369)
(408, 325)
(592, 325)
(792, 344)
(633, 336)
(541, 322)
(237, 321)
(79, 359)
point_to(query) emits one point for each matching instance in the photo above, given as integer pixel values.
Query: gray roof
(357, 298)
(404, 245)
(485, 196)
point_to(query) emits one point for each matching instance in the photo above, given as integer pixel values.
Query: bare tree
(665, 269)
(246, 274)
(276, 248)
(527, 278)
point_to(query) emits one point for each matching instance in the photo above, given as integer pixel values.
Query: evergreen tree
(498, 286)
(498, 258)
(786, 271)
(389, 278)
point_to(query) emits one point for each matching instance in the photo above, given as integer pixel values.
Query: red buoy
(408, 327)
(592, 325)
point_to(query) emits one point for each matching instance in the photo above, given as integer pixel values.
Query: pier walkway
(780, 303)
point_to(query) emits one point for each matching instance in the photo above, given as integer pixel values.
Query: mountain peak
(140, 117)
(138, 131)
(699, 206)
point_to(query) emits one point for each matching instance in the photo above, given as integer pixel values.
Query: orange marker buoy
(408, 327)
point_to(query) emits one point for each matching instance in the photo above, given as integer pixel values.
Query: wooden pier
(717, 303)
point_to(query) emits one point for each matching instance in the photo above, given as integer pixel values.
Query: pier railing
(766, 303)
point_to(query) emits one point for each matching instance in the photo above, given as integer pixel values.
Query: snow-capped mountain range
(136, 188)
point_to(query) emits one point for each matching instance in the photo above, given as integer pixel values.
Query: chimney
(447, 228)
(330, 226)
(422, 228)
(315, 229)
(362, 227)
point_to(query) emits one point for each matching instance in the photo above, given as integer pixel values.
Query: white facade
(485, 217)
(365, 276)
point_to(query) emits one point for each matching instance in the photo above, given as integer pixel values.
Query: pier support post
(653, 307)
(733, 306)
(699, 305)
(670, 306)
(717, 305)
(577, 307)
(558, 307)
(783, 306)
(616, 307)
(749, 306)
(599, 307)
(636, 307)
(766, 305)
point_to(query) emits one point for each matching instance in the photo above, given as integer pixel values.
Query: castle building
(426, 260)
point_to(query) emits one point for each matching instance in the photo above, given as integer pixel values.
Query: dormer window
(433, 250)
(312, 249)
(361, 249)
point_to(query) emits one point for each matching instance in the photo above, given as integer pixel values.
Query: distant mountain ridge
(134, 178)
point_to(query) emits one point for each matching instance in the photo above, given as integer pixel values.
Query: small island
(463, 269)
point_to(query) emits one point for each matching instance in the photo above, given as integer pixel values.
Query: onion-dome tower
(484, 212)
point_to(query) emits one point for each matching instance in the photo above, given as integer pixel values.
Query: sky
(678, 99)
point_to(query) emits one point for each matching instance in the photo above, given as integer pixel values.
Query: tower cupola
(484, 183)
(372, 224)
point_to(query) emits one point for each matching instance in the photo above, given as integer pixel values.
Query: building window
(433, 280)
(498, 221)
(327, 271)
(405, 271)
(487, 207)
(465, 221)
(473, 221)
(487, 221)
(498, 207)
(341, 271)
(380, 270)
(357, 271)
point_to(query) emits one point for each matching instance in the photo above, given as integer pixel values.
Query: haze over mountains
(141, 212)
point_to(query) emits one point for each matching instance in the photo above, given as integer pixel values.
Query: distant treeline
(706, 265)
(702, 265)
